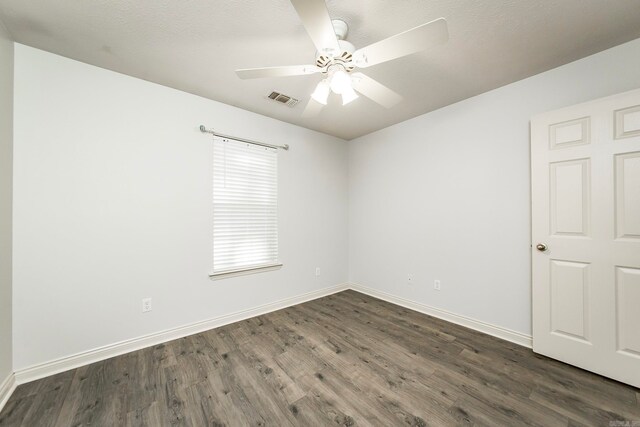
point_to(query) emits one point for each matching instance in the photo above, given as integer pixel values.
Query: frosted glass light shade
(349, 95)
(321, 93)
(340, 82)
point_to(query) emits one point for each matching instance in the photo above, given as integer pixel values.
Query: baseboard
(7, 387)
(53, 367)
(487, 328)
(46, 369)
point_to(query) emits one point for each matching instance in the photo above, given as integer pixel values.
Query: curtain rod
(248, 141)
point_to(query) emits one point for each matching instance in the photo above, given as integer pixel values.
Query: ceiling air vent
(283, 99)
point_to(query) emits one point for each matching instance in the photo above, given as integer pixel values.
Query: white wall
(112, 204)
(6, 174)
(112, 192)
(446, 195)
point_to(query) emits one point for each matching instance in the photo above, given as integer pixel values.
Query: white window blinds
(245, 206)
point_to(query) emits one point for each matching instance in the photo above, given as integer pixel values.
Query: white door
(585, 171)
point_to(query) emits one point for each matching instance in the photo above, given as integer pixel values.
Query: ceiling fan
(338, 60)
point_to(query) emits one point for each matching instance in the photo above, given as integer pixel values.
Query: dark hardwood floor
(346, 359)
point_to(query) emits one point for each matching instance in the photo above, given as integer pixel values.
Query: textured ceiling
(195, 46)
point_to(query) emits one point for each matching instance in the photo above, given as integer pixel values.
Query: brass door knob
(541, 247)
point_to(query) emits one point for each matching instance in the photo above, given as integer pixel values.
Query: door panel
(627, 122)
(570, 299)
(628, 289)
(567, 134)
(570, 197)
(628, 195)
(585, 183)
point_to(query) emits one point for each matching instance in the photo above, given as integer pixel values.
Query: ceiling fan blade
(315, 18)
(375, 91)
(291, 70)
(312, 109)
(411, 41)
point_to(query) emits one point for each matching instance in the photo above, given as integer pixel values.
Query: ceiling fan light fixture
(337, 58)
(349, 95)
(321, 94)
(340, 82)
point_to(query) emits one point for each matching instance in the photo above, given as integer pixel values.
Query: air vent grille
(283, 99)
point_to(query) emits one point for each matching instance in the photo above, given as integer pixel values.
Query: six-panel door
(585, 171)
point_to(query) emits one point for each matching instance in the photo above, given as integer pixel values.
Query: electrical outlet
(410, 279)
(436, 285)
(146, 305)
(317, 271)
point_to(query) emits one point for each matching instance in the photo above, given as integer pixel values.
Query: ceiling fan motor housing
(342, 58)
(344, 55)
(341, 28)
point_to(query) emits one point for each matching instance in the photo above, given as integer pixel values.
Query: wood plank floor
(346, 359)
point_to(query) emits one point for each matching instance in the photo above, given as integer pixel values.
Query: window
(245, 207)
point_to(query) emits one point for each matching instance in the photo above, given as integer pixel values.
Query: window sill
(244, 271)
